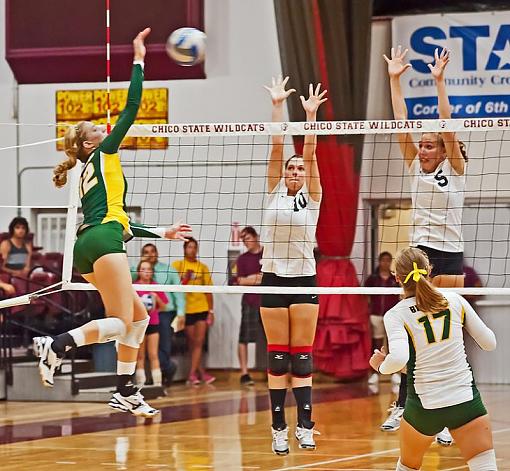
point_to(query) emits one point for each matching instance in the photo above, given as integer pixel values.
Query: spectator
(165, 275)
(199, 308)
(153, 302)
(471, 280)
(248, 274)
(17, 250)
(380, 304)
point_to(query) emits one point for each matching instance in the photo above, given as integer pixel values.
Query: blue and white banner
(478, 75)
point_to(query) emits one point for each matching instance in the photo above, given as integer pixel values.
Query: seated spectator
(153, 302)
(199, 309)
(165, 275)
(249, 273)
(16, 250)
(379, 304)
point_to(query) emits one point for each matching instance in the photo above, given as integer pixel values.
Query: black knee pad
(278, 363)
(301, 364)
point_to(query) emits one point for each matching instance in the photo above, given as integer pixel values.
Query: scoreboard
(73, 106)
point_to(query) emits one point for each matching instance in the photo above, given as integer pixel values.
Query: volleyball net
(213, 177)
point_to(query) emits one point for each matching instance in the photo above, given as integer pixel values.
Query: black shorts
(444, 263)
(286, 300)
(152, 329)
(250, 323)
(192, 319)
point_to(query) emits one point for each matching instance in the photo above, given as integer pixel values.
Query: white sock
(126, 368)
(156, 377)
(78, 336)
(401, 467)
(485, 461)
(140, 377)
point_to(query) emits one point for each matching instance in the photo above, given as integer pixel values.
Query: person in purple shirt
(249, 273)
(379, 304)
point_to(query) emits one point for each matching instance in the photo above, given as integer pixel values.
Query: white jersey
(433, 348)
(288, 235)
(438, 201)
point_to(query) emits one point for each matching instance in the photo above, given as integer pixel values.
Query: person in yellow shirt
(199, 308)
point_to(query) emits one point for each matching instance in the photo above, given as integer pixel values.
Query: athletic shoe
(392, 423)
(305, 437)
(207, 378)
(193, 380)
(444, 438)
(373, 378)
(280, 441)
(134, 404)
(49, 362)
(246, 380)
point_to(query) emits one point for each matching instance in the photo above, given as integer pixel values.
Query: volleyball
(186, 46)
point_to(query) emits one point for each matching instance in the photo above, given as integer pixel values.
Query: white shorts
(377, 324)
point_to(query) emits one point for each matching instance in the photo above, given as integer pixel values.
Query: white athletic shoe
(134, 404)
(305, 437)
(49, 362)
(444, 437)
(392, 423)
(280, 441)
(373, 378)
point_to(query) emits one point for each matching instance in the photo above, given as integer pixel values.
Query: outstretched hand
(311, 105)
(277, 90)
(178, 232)
(377, 358)
(139, 44)
(440, 63)
(396, 65)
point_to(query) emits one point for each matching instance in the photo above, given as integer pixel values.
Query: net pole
(108, 118)
(72, 215)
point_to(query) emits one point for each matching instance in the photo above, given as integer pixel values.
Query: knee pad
(110, 328)
(485, 461)
(136, 334)
(277, 360)
(301, 361)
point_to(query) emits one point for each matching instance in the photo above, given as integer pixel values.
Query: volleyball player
(436, 167)
(425, 331)
(290, 220)
(99, 251)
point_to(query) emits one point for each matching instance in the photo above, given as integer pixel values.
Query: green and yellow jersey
(103, 186)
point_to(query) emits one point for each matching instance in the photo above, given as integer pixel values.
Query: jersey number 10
(425, 320)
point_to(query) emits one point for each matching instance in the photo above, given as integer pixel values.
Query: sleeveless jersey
(288, 236)
(438, 201)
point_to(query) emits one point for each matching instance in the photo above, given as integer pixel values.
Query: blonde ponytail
(410, 266)
(73, 148)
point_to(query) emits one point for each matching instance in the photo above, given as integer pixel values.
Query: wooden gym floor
(221, 427)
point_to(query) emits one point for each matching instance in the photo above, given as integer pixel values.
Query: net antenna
(108, 118)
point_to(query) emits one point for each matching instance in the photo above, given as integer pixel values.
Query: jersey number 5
(87, 179)
(429, 332)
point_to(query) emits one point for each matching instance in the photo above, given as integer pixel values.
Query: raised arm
(396, 68)
(278, 97)
(311, 105)
(450, 140)
(112, 142)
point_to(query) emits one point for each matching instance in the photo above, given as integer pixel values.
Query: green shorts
(431, 421)
(96, 241)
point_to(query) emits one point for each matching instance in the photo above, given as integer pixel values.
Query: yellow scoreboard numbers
(74, 106)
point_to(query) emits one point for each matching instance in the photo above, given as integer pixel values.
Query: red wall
(61, 41)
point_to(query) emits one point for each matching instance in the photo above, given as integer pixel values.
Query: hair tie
(416, 273)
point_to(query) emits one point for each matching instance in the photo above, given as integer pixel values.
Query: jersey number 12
(87, 179)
